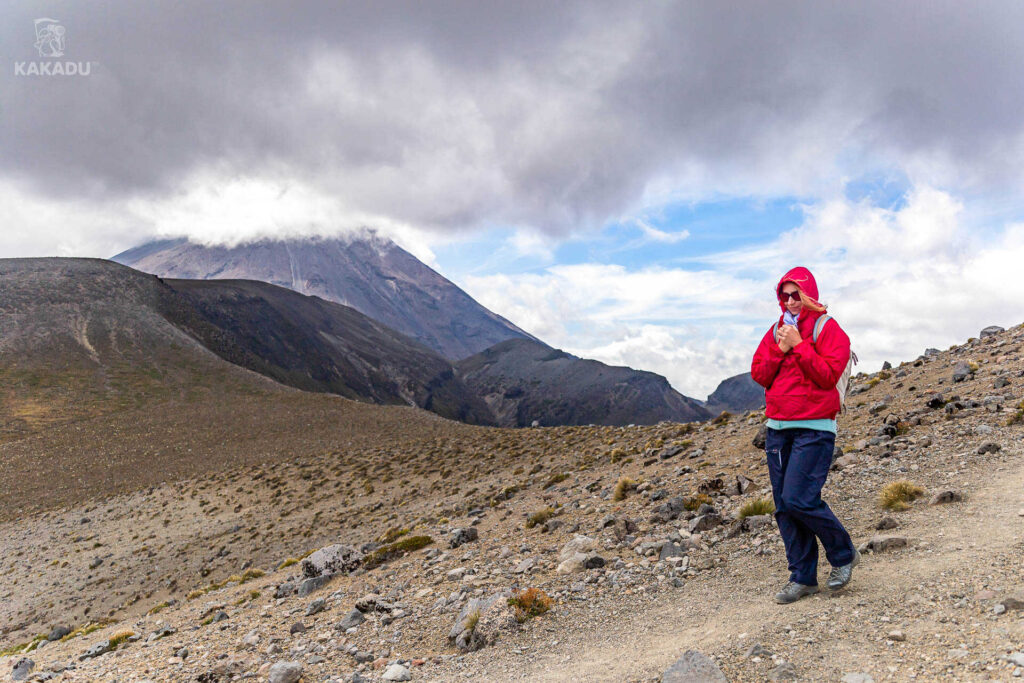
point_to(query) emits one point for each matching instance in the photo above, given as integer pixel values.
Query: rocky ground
(635, 537)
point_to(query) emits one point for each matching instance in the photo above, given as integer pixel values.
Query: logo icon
(49, 37)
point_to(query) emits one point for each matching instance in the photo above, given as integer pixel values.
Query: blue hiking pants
(798, 463)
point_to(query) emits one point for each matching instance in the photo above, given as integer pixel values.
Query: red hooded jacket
(801, 384)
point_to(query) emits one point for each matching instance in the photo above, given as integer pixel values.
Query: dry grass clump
(159, 608)
(722, 418)
(392, 535)
(22, 648)
(539, 517)
(622, 487)
(556, 479)
(1017, 417)
(898, 495)
(618, 455)
(393, 550)
(119, 638)
(691, 503)
(761, 506)
(530, 603)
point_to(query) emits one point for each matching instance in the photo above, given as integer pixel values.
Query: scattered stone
(896, 636)
(784, 672)
(760, 438)
(857, 678)
(705, 522)
(297, 627)
(552, 524)
(96, 650)
(284, 590)
(58, 632)
(757, 650)
(351, 620)
(961, 371)
(883, 543)
(842, 462)
(373, 603)
(693, 667)
(989, 447)
(313, 583)
(669, 510)
(1012, 603)
(331, 560)
(22, 668)
(887, 522)
(480, 621)
(943, 497)
(315, 607)
(461, 536)
(396, 672)
(524, 565)
(285, 672)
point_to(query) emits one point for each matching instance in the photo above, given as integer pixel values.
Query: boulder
(705, 522)
(760, 438)
(990, 331)
(668, 510)
(989, 447)
(22, 668)
(285, 672)
(351, 620)
(579, 544)
(943, 497)
(481, 620)
(693, 667)
(961, 371)
(883, 543)
(462, 536)
(396, 672)
(331, 560)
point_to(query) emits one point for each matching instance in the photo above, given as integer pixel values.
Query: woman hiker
(801, 402)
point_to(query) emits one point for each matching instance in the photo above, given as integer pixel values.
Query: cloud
(553, 117)
(655, 235)
(897, 280)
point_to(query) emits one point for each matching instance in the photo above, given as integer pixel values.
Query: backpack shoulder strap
(818, 325)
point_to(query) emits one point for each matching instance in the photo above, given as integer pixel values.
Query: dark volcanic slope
(318, 345)
(523, 381)
(84, 337)
(372, 275)
(737, 394)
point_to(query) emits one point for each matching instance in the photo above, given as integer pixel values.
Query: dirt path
(984, 550)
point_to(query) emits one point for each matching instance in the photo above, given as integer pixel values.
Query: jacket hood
(802, 278)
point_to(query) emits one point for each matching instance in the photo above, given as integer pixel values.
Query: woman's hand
(789, 337)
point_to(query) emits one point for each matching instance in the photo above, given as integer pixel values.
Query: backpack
(843, 385)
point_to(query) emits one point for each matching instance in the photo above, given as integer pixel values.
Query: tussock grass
(722, 418)
(618, 455)
(539, 517)
(556, 479)
(393, 550)
(392, 535)
(691, 503)
(530, 603)
(622, 488)
(898, 495)
(119, 638)
(159, 608)
(761, 506)
(1017, 417)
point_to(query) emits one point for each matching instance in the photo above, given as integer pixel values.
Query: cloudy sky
(625, 180)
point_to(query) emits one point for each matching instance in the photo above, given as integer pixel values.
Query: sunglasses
(786, 296)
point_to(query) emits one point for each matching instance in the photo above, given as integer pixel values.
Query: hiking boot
(793, 592)
(840, 576)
